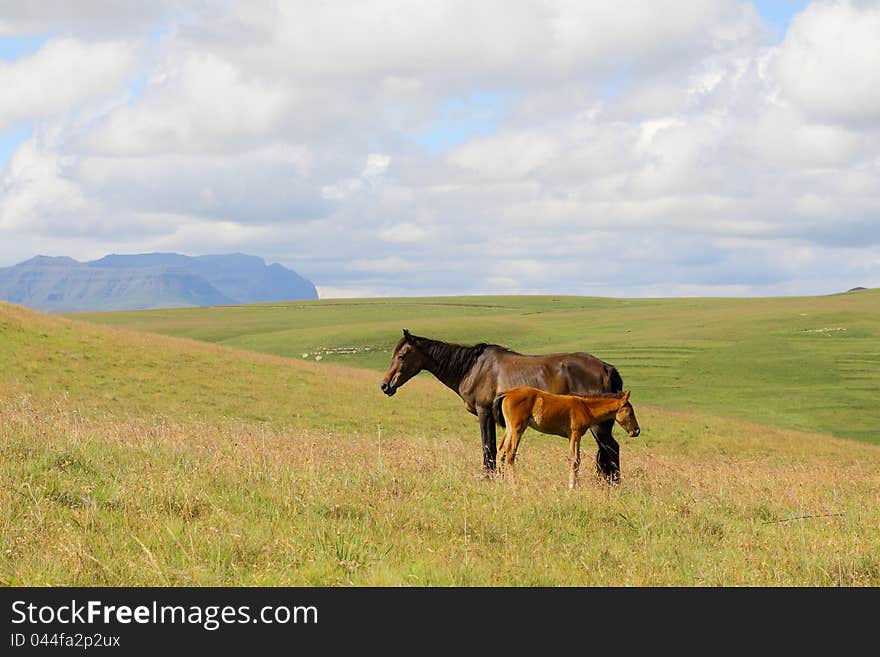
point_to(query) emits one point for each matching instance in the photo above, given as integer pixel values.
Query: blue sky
(461, 119)
(11, 48)
(12, 139)
(777, 14)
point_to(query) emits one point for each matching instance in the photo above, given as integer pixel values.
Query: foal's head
(407, 360)
(626, 416)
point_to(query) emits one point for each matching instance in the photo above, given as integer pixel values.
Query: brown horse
(568, 416)
(478, 374)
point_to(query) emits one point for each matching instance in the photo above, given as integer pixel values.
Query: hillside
(152, 280)
(130, 458)
(805, 363)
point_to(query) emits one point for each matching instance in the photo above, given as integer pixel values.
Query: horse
(568, 416)
(479, 373)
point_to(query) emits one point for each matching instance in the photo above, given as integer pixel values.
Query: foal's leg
(502, 449)
(515, 435)
(574, 454)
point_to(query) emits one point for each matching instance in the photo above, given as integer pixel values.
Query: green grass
(100, 370)
(130, 458)
(768, 360)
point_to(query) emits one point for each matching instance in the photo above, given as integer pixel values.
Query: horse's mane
(455, 360)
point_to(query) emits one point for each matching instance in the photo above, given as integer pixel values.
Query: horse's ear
(625, 398)
(406, 334)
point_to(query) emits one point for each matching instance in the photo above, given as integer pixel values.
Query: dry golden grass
(91, 499)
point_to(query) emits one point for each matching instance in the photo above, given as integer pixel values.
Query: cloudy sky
(627, 148)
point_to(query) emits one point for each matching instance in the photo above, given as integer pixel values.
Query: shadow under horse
(479, 373)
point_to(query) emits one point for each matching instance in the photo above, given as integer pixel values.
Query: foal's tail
(496, 410)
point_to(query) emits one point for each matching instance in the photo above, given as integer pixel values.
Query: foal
(569, 416)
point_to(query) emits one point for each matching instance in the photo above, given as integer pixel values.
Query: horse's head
(626, 416)
(407, 360)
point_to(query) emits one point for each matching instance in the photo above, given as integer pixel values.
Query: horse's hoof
(610, 479)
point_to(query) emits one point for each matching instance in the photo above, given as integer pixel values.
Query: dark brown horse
(478, 374)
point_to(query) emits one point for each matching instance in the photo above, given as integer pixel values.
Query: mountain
(149, 280)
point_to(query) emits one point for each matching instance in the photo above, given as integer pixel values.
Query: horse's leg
(574, 453)
(487, 430)
(608, 454)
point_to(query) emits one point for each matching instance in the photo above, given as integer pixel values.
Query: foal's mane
(610, 395)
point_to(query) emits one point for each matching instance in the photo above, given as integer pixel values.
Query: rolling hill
(129, 458)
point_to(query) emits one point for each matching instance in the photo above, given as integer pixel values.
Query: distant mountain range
(149, 280)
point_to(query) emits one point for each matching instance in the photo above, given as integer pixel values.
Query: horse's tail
(615, 383)
(496, 410)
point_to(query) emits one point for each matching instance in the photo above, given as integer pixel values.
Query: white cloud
(659, 148)
(391, 264)
(371, 175)
(493, 41)
(89, 17)
(829, 61)
(36, 185)
(359, 292)
(516, 155)
(405, 232)
(62, 74)
(198, 104)
(377, 165)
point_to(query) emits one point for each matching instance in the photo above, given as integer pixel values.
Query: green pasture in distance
(806, 363)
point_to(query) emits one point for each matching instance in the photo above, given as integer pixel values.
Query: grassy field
(135, 458)
(805, 363)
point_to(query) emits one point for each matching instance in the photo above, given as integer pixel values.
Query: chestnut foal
(569, 416)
